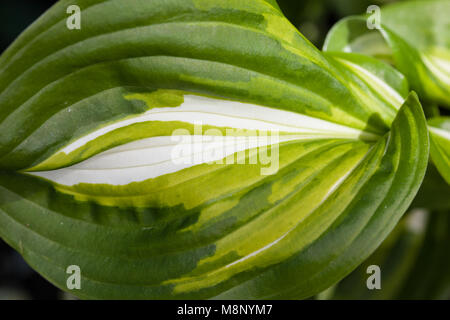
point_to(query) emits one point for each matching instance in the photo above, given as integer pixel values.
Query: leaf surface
(440, 145)
(199, 149)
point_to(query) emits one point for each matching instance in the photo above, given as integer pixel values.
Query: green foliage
(414, 35)
(414, 261)
(87, 119)
(414, 38)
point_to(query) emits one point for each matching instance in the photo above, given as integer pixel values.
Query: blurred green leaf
(414, 34)
(414, 262)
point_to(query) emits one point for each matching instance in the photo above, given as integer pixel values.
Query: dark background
(313, 17)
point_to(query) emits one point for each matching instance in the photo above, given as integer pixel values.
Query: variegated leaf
(440, 144)
(199, 149)
(414, 35)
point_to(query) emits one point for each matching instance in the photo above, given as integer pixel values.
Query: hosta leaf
(440, 145)
(114, 127)
(54, 80)
(249, 243)
(373, 82)
(415, 35)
